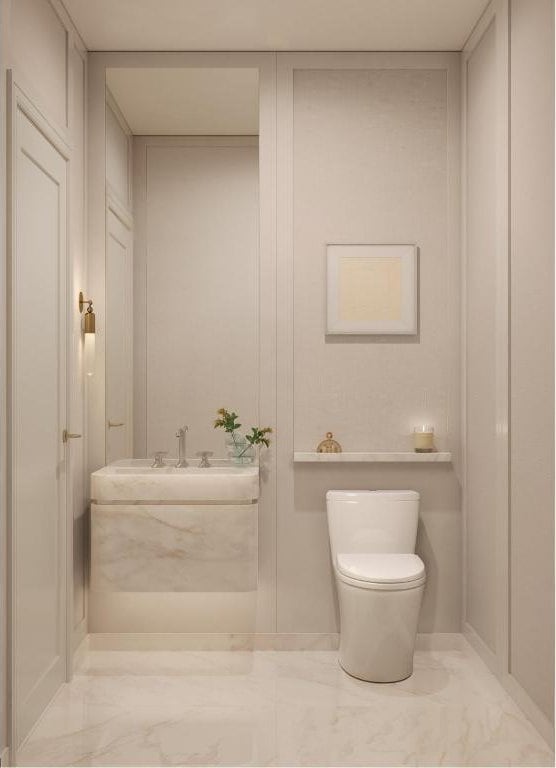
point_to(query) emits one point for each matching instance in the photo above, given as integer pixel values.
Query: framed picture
(371, 289)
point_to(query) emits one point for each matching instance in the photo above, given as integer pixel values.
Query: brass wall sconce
(89, 321)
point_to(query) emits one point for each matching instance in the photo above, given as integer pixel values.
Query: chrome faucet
(180, 434)
(204, 463)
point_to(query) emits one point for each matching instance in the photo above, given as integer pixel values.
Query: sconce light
(88, 335)
(89, 319)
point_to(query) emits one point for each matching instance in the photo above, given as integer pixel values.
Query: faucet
(204, 463)
(180, 434)
(159, 460)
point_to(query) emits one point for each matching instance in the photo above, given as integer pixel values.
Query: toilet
(380, 580)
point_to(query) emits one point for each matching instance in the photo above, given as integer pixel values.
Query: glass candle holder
(423, 439)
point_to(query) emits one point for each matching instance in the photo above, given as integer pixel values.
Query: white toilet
(380, 580)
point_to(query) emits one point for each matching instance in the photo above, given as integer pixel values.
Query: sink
(136, 481)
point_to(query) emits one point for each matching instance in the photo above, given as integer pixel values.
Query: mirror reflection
(181, 330)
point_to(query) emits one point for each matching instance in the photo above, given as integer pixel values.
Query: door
(37, 408)
(119, 346)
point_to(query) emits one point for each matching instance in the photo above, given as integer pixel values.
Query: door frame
(17, 99)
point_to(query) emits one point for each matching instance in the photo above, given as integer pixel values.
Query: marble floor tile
(279, 708)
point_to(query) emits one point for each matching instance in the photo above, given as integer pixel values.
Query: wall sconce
(89, 319)
(89, 329)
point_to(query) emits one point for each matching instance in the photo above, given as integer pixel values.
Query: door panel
(38, 412)
(119, 435)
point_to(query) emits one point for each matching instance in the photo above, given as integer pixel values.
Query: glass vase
(239, 450)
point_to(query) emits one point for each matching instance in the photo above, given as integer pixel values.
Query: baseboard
(192, 641)
(80, 652)
(247, 641)
(529, 708)
(511, 686)
(439, 641)
(79, 634)
(5, 757)
(482, 649)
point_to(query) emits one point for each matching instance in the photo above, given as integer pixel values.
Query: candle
(423, 439)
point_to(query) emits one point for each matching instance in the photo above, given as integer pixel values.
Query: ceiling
(204, 102)
(275, 25)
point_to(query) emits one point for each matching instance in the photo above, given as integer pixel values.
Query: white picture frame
(371, 289)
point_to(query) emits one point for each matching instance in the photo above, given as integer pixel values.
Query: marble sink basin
(136, 481)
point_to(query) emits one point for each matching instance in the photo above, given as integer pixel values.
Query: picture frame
(372, 289)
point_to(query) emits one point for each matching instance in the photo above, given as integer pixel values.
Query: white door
(38, 470)
(119, 345)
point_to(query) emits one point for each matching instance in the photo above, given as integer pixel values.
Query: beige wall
(532, 350)
(373, 157)
(509, 331)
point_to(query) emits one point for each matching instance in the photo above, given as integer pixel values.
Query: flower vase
(239, 450)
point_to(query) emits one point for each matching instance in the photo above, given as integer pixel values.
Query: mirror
(182, 256)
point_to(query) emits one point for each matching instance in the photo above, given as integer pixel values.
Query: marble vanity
(174, 529)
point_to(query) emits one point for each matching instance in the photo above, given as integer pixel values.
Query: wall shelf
(372, 457)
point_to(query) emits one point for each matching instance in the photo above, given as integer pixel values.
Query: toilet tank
(372, 521)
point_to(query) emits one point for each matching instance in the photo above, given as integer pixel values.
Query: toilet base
(377, 631)
(378, 682)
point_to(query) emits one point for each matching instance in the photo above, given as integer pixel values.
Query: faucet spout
(180, 434)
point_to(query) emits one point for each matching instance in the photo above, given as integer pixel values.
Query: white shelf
(373, 457)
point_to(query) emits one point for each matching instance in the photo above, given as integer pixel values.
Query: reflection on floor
(280, 708)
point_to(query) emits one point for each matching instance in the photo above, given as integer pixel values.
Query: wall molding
(248, 641)
(496, 13)
(80, 652)
(208, 641)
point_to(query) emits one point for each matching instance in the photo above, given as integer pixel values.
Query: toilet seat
(388, 571)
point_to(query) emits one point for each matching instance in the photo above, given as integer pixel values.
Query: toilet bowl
(380, 580)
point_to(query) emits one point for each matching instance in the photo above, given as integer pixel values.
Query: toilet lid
(381, 568)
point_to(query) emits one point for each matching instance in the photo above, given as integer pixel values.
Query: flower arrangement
(242, 447)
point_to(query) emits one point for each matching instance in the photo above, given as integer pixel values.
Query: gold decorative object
(329, 445)
(89, 319)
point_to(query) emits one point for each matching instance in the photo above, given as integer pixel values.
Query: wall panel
(368, 154)
(40, 47)
(481, 339)
(532, 350)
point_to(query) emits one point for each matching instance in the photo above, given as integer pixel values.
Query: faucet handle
(159, 459)
(205, 463)
(182, 430)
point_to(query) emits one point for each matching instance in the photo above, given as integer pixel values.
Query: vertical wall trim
(284, 287)
(96, 261)
(4, 627)
(496, 12)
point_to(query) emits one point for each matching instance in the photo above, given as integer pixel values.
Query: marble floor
(272, 708)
